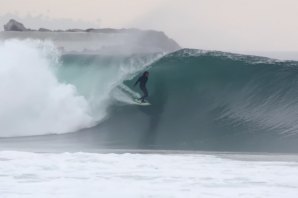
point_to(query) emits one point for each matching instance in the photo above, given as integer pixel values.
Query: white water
(125, 94)
(33, 102)
(77, 175)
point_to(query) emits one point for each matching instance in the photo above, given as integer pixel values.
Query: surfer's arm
(137, 82)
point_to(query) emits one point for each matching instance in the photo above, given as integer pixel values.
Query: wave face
(214, 100)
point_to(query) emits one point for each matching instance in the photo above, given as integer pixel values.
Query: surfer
(143, 80)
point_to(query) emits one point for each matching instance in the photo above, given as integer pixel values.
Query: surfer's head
(146, 73)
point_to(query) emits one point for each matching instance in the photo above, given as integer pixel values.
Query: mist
(246, 26)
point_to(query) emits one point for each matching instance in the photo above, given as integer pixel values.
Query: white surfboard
(138, 102)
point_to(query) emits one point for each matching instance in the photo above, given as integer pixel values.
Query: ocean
(69, 126)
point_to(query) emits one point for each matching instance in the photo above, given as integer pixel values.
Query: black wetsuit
(143, 80)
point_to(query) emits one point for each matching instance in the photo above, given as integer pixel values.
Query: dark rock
(13, 25)
(44, 30)
(75, 30)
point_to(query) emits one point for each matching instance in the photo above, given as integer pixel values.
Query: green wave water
(214, 101)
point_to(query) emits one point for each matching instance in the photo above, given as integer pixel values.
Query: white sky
(229, 25)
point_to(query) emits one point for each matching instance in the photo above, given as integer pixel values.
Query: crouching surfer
(143, 80)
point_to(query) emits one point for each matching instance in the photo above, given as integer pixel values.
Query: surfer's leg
(144, 89)
(141, 98)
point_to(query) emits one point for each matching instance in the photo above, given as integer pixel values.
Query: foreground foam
(76, 175)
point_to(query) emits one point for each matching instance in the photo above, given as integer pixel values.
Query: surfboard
(138, 102)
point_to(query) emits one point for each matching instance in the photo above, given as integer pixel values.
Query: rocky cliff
(106, 40)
